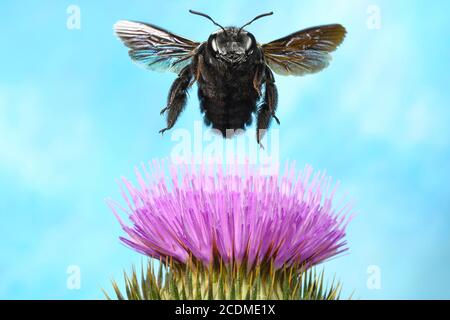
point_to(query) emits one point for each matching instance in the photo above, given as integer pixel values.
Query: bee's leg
(272, 106)
(177, 97)
(266, 110)
(258, 78)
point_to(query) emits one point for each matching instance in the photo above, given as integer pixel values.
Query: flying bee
(233, 71)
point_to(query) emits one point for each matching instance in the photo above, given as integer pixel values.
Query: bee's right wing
(304, 52)
(155, 48)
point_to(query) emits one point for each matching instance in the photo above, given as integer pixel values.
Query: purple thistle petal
(233, 214)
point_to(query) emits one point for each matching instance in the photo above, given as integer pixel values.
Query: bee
(233, 72)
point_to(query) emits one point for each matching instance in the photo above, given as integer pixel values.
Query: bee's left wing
(155, 48)
(304, 52)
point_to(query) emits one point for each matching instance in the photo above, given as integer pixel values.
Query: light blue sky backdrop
(76, 115)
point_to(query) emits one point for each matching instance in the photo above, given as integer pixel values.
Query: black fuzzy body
(234, 82)
(227, 94)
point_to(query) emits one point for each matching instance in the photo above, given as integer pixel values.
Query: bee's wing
(304, 52)
(155, 48)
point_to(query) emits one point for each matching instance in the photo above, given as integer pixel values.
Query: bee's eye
(214, 44)
(248, 43)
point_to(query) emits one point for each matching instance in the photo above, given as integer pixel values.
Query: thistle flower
(233, 215)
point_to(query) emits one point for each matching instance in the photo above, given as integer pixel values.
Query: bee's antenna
(207, 17)
(256, 18)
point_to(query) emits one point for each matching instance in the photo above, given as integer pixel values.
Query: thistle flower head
(233, 214)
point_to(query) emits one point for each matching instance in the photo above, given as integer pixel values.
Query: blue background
(76, 115)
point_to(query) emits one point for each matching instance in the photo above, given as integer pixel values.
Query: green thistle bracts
(194, 281)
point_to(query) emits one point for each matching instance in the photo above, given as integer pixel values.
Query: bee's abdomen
(228, 105)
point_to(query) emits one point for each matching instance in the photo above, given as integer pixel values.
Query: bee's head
(232, 45)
